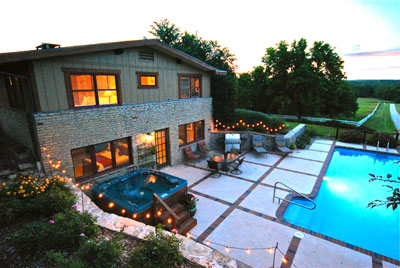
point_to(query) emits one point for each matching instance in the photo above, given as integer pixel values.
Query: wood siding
(51, 82)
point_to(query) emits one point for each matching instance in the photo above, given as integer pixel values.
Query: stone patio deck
(237, 210)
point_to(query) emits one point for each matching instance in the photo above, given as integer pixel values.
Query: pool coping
(377, 258)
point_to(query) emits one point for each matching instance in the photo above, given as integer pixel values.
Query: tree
(166, 32)
(223, 87)
(306, 82)
(394, 199)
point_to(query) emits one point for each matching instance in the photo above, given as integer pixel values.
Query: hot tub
(132, 195)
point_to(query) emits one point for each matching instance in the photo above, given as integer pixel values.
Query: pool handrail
(156, 198)
(289, 201)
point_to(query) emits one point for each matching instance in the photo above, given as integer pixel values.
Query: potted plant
(190, 204)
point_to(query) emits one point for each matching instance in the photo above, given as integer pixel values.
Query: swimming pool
(342, 212)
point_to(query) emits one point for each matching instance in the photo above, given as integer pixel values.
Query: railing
(300, 205)
(387, 147)
(377, 146)
(156, 199)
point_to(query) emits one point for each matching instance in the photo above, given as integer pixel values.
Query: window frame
(140, 74)
(14, 92)
(93, 72)
(92, 150)
(190, 76)
(196, 139)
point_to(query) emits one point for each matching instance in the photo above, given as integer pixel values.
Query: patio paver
(308, 154)
(301, 165)
(260, 200)
(242, 229)
(316, 252)
(300, 182)
(265, 159)
(320, 147)
(389, 265)
(252, 171)
(191, 174)
(207, 212)
(224, 187)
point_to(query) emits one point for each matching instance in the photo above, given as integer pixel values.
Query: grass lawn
(319, 130)
(398, 108)
(382, 120)
(365, 107)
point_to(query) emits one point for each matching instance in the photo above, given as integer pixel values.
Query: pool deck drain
(376, 259)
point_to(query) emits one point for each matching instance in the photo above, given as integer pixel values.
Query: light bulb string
(247, 249)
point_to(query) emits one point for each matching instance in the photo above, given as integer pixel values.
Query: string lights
(220, 126)
(271, 250)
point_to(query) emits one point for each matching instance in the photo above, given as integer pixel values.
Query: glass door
(162, 155)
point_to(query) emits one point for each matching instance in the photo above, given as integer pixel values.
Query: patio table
(222, 159)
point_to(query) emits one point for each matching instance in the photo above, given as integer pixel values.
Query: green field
(365, 107)
(381, 121)
(398, 108)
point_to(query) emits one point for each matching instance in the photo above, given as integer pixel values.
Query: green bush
(102, 254)
(65, 230)
(157, 250)
(302, 141)
(351, 136)
(33, 198)
(59, 260)
(383, 139)
(253, 118)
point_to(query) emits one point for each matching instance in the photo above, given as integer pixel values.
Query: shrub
(65, 230)
(302, 141)
(292, 146)
(59, 260)
(384, 138)
(351, 136)
(157, 250)
(102, 254)
(253, 118)
(33, 198)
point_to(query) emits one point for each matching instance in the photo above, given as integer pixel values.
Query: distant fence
(316, 119)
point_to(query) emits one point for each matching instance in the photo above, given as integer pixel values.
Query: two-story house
(102, 108)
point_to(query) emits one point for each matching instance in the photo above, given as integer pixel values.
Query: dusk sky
(366, 34)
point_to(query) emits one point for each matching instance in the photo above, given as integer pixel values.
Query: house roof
(66, 51)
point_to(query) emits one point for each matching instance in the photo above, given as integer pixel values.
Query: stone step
(182, 217)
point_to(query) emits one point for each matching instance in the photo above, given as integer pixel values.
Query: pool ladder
(293, 190)
(387, 147)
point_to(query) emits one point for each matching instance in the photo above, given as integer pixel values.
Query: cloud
(383, 53)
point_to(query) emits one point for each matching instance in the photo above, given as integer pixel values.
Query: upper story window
(147, 80)
(94, 159)
(191, 132)
(19, 93)
(189, 86)
(88, 88)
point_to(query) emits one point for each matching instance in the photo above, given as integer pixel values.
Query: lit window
(101, 157)
(93, 89)
(191, 132)
(147, 80)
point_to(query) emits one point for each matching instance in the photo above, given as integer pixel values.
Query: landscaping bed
(41, 226)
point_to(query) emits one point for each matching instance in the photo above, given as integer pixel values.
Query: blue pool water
(342, 211)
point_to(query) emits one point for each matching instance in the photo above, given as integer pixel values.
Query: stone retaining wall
(293, 134)
(190, 249)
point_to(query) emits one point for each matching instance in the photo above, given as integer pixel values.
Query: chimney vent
(45, 46)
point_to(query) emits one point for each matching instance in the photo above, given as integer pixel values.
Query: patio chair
(190, 155)
(203, 149)
(214, 166)
(235, 151)
(236, 165)
(281, 145)
(258, 144)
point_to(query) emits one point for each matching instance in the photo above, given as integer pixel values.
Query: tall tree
(305, 82)
(223, 87)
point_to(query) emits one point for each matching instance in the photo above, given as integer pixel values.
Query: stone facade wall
(60, 132)
(14, 123)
